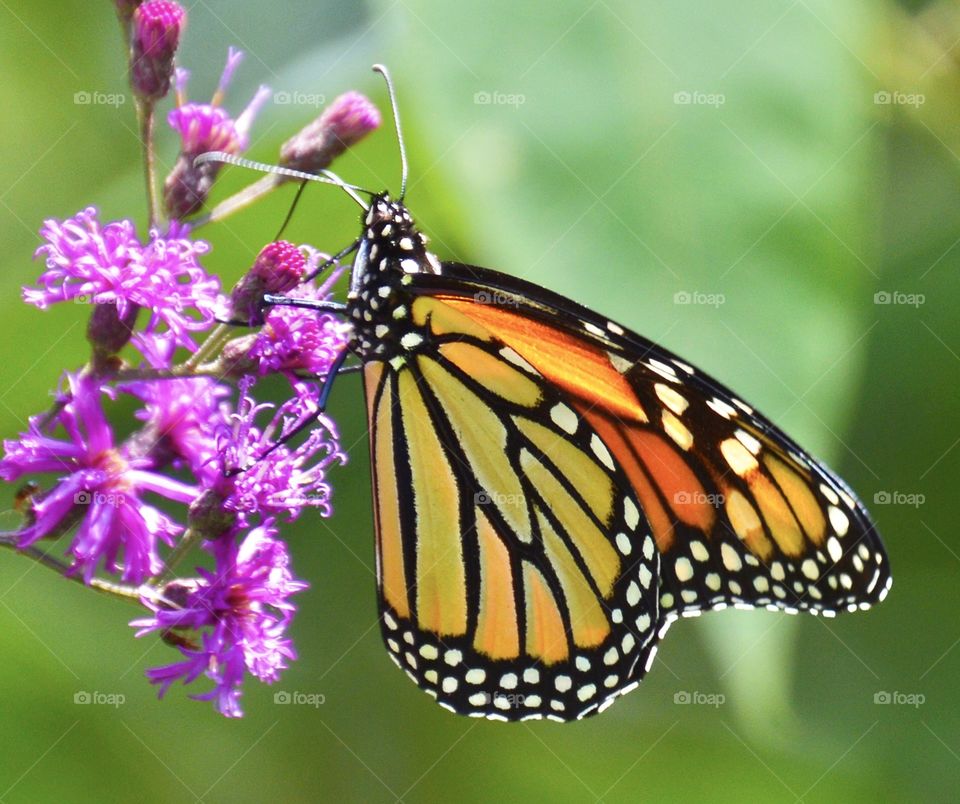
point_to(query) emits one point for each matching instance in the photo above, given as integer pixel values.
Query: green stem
(174, 373)
(220, 335)
(131, 594)
(186, 543)
(145, 110)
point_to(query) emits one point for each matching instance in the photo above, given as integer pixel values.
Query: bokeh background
(769, 188)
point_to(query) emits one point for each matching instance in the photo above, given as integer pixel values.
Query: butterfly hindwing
(517, 578)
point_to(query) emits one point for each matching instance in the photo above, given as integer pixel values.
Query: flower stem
(186, 543)
(145, 111)
(132, 594)
(174, 373)
(220, 335)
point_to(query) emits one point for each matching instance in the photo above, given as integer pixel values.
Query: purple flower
(180, 415)
(100, 484)
(342, 124)
(279, 267)
(299, 340)
(261, 474)
(157, 26)
(208, 127)
(107, 264)
(242, 612)
(205, 127)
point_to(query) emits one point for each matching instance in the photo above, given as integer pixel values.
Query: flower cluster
(206, 464)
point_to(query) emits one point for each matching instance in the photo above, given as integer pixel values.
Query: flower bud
(208, 517)
(157, 26)
(343, 123)
(108, 331)
(205, 127)
(279, 267)
(187, 186)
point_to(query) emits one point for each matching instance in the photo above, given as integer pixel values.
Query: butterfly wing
(553, 490)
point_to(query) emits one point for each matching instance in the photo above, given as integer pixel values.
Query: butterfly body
(551, 490)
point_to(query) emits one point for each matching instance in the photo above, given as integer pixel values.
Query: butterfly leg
(326, 386)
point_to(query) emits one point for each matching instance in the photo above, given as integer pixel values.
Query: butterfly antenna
(379, 68)
(325, 176)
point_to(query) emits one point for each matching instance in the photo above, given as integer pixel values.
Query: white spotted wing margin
(786, 532)
(527, 521)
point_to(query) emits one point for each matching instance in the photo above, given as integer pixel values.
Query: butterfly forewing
(740, 514)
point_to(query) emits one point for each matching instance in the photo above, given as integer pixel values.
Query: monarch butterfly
(551, 490)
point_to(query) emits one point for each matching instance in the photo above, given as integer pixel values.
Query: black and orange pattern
(552, 490)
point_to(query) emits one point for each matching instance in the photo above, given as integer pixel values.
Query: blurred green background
(634, 156)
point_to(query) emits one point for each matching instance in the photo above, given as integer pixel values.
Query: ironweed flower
(90, 262)
(201, 446)
(100, 481)
(233, 619)
(157, 27)
(205, 127)
(259, 472)
(342, 124)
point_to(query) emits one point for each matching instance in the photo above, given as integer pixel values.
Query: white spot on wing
(564, 418)
(721, 408)
(601, 451)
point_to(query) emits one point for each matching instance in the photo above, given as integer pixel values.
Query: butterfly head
(391, 252)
